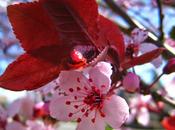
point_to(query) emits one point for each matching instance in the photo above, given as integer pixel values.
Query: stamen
(79, 120)
(103, 86)
(78, 88)
(68, 102)
(70, 114)
(71, 89)
(90, 80)
(93, 120)
(78, 79)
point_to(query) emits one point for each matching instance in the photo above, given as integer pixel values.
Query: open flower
(89, 99)
(23, 107)
(136, 44)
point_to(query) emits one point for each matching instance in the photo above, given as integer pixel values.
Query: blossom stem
(157, 79)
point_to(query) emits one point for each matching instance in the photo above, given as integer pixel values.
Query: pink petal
(105, 68)
(100, 80)
(60, 110)
(70, 80)
(27, 107)
(15, 126)
(87, 124)
(116, 111)
(127, 40)
(139, 35)
(14, 108)
(143, 116)
(3, 114)
(147, 47)
(22, 106)
(131, 82)
(48, 88)
(100, 75)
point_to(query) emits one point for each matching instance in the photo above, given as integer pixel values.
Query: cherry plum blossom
(89, 99)
(23, 106)
(136, 44)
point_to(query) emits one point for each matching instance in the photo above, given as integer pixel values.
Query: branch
(116, 9)
(161, 16)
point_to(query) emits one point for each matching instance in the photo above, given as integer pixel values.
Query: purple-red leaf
(145, 58)
(111, 35)
(32, 25)
(33, 70)
(48, 31)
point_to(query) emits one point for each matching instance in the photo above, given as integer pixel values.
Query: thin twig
(161, 16)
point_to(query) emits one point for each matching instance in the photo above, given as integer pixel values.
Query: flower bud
(131, 82)
(170, 67)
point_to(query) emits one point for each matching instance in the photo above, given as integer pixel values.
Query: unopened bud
(170, 67)
(131, 82)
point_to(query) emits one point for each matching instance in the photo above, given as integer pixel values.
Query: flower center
(94, 98)
(88, 100)
(131, 50)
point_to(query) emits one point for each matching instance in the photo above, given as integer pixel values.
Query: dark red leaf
(72, 21)
(32, 25)
(169, 123)
(110, 34)
(145, 58)
(170, 66)
(33, 70)
(49, 30)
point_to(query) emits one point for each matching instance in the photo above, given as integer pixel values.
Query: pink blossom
(37, 125)
(88, 99)
(23, 106)
(136, 44)
(139, 110)
(131, 82)
(15, 126)
(3, 117)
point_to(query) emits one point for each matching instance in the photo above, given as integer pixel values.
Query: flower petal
(105, 68)
(116, 111)
(87, 124)
(3, 114)
(69, 81)
(60, 110)
(15, 126)
(27, 106)
(100, 80)
(139, 35)
(143, 116)
(14, 108)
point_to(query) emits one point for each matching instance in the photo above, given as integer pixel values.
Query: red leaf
(71, 23)
(32, 25)
(110, 34)
(48, 30)
(168, 123)
(145, 58)
(33, 70)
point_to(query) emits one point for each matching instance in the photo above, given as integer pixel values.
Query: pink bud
(131, 82)
(170, 67)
